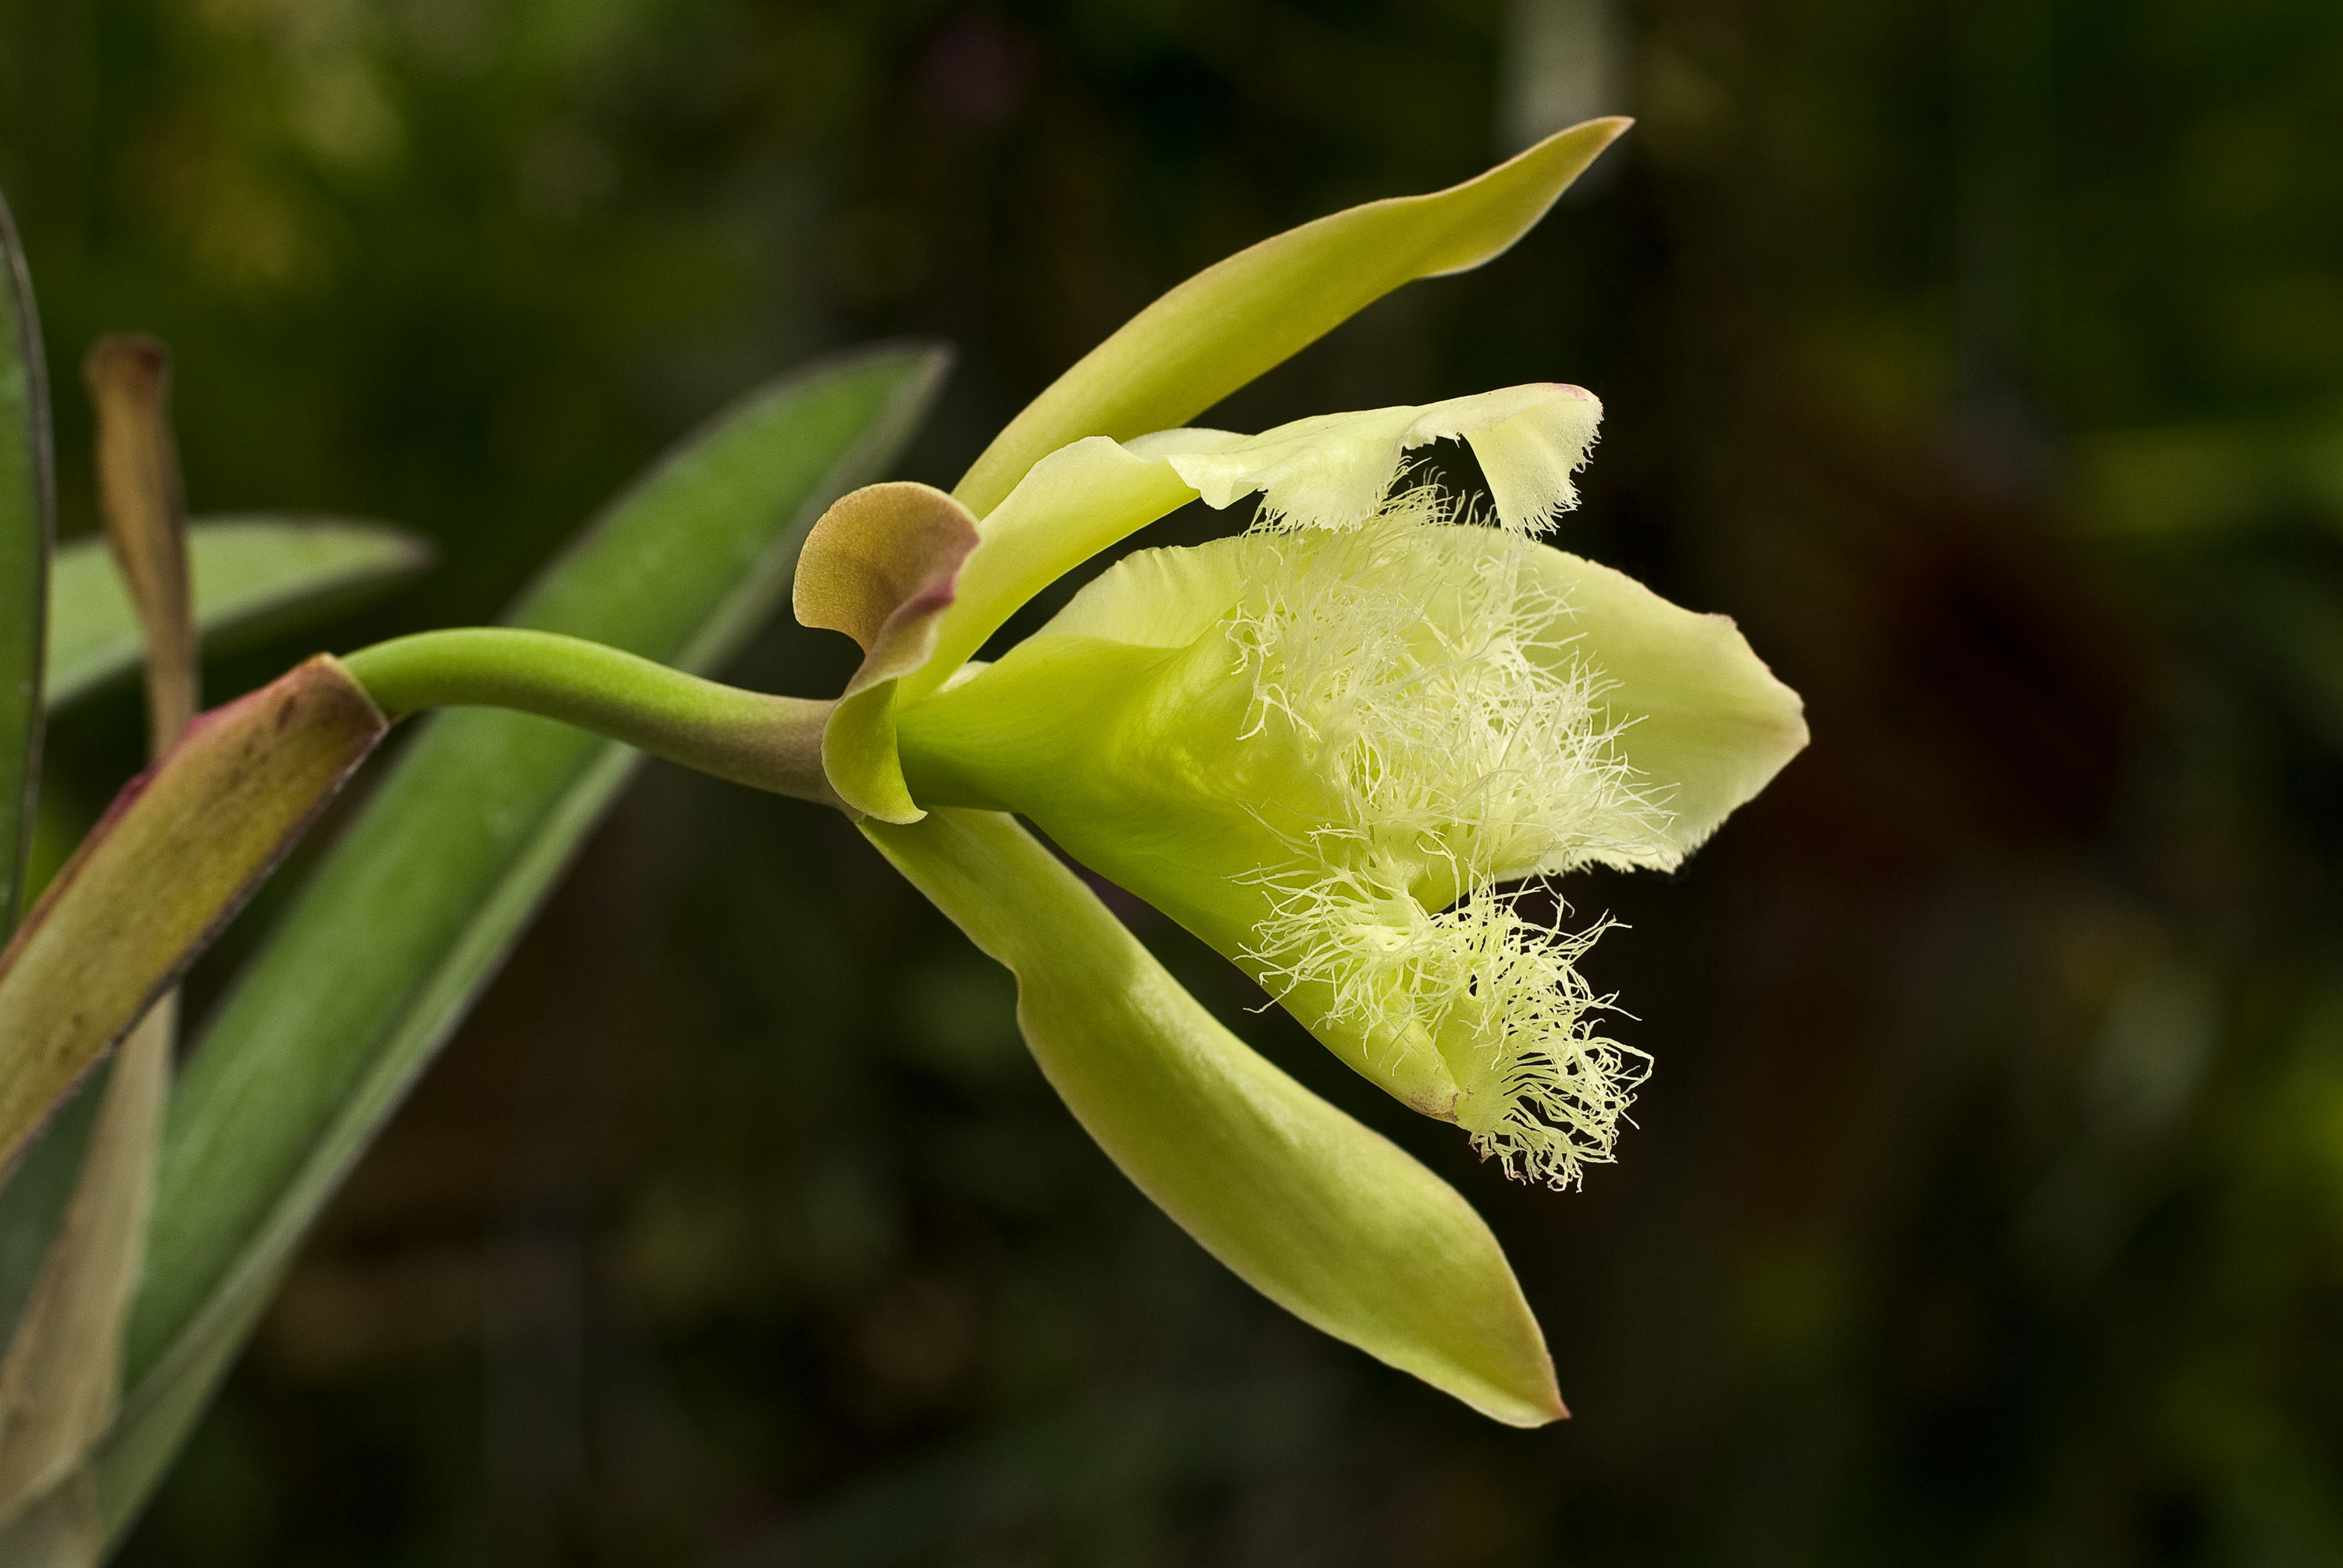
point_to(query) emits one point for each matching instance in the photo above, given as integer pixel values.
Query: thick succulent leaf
(407, 916)
(250, 573)
(64, 1530)
(1324, 1216)
(178, 852)
(33, 1203)
(1234, 320)
(27, 508)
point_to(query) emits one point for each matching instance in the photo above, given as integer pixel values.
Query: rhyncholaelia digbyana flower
(1326, 746)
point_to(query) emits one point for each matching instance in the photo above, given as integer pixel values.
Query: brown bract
(177, 854)
(146, 517)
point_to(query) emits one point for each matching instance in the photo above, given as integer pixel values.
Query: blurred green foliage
(1985, 361)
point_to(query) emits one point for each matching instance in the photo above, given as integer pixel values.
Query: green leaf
(27, 523)
(374, 962)
(251, 573)
(1322, 1214)
(1234, 320)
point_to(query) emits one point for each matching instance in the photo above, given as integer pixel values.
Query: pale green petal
(1326, 1217)
(1333, 470)
(1697, 713)
(1115, 729)
(1231, 322)
(1698, 717)
(1074, 503)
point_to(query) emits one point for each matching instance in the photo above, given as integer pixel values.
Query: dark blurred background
(1985, 359)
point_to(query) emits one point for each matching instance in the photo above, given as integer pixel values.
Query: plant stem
(751, 737)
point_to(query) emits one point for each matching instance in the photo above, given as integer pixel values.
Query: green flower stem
(750, 738)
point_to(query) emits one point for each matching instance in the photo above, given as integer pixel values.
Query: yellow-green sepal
(1320, 1213)
(1240, 318)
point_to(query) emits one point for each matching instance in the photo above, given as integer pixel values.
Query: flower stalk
(766, 742)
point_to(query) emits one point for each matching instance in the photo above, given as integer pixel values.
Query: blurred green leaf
(26, 523)
(250, 572)
(2292, 619)
(2178, 481)
(371, 967)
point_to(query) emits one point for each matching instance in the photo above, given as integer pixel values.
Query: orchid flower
(1327, 745)
(1324, 746)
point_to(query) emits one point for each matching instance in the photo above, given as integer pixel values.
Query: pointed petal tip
(1537, 1416)
(1609, 127)
(1602, 130)
(1526, 1409)
(1525, 1395)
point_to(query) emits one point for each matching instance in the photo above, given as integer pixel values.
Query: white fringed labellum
(1326, 748)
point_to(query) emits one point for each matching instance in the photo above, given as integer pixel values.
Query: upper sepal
(1243, 316)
